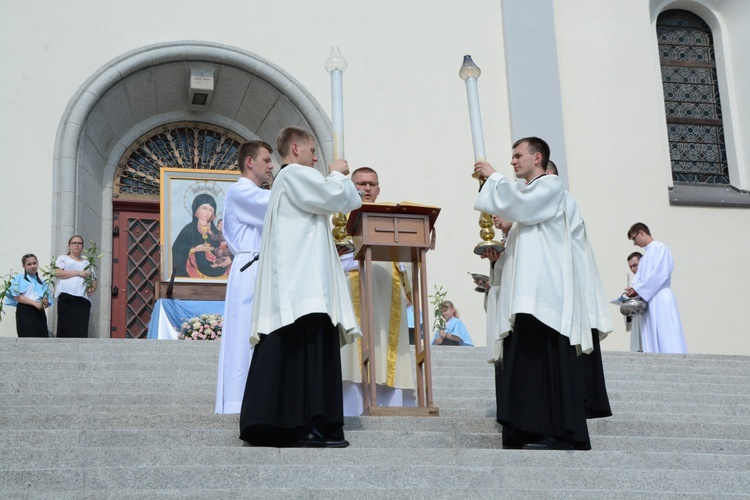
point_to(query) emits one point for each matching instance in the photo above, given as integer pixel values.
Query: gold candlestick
(487, 233)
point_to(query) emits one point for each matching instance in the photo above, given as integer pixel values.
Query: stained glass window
(691, 99)
(179, 145)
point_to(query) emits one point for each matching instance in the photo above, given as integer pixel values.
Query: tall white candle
(336, 65)
(469, 73)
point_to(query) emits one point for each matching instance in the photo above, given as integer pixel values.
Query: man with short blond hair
(302, 310)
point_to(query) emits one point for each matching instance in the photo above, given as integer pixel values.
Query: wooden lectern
(394, 233)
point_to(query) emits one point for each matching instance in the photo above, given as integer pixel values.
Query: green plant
(91, 255)
(437, 298)
(5, 283)
(49, 275)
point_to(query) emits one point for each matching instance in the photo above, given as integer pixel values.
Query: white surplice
(633, 325)
(661, 328)
(245, 208)
(542, 230)
(401, 391)
(492, 308)
(299, 271)
(587, 271)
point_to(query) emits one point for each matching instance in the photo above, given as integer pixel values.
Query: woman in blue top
(31, 296)
(455, 332)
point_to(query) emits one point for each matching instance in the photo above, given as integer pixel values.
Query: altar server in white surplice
(245, 208)
(303, 312)
(633, 323)
(600, 321)
(492, 297)
(542, 319)
(393, 364)
(661, 329)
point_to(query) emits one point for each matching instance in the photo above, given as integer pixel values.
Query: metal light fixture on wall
(201, 91)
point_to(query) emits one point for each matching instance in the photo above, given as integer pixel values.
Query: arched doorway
(135, 211)
(139, 94)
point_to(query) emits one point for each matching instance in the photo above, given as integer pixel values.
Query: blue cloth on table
(178, 310)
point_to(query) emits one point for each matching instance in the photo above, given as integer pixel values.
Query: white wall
(619, 169)
(406, 116)
(405, 106)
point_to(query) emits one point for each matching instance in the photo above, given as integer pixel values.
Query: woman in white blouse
(73, 294)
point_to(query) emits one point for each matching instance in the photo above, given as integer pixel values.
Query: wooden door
(135, 268)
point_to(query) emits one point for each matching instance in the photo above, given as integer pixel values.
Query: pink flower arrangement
(203, 327)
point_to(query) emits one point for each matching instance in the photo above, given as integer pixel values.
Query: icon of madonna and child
(199, 251)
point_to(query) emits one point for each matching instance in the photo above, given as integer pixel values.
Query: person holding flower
(76, 283)
(454, 332)
(30, 296)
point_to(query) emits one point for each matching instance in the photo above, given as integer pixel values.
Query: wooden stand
(192, 291)
(394, 233)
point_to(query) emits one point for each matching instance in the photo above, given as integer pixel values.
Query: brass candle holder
(487, 232)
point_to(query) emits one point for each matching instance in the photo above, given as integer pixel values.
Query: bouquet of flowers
(203, 327)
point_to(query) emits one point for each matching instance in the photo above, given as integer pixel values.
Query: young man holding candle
(542, 316)
(302, 309)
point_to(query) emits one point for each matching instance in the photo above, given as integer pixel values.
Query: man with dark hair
(542, 319)
(535, 146)
(633, 260)
(633, 322)
(552, 168)
(245, 208)
(302, 308)
(661, 328)
(393, 362)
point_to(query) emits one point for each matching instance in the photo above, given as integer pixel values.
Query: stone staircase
(100, 418)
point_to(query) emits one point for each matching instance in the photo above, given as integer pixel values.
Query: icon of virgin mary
(200, 250)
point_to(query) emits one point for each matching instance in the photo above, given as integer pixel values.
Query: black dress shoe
(317, 439)
(548, 443)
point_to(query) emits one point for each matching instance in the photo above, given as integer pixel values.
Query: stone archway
(144, 89)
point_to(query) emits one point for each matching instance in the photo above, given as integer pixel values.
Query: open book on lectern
(386, 207)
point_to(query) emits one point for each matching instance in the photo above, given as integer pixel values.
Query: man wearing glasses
(661, 326)
(394, 367)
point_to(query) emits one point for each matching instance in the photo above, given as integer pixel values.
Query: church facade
(641, 102)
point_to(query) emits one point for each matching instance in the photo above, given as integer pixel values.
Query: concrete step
(368, 477)
(685, 396)
(370, 438)
(18, 370)
(400, 493)
(101, 418)
(466, 406)
(64, 458)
